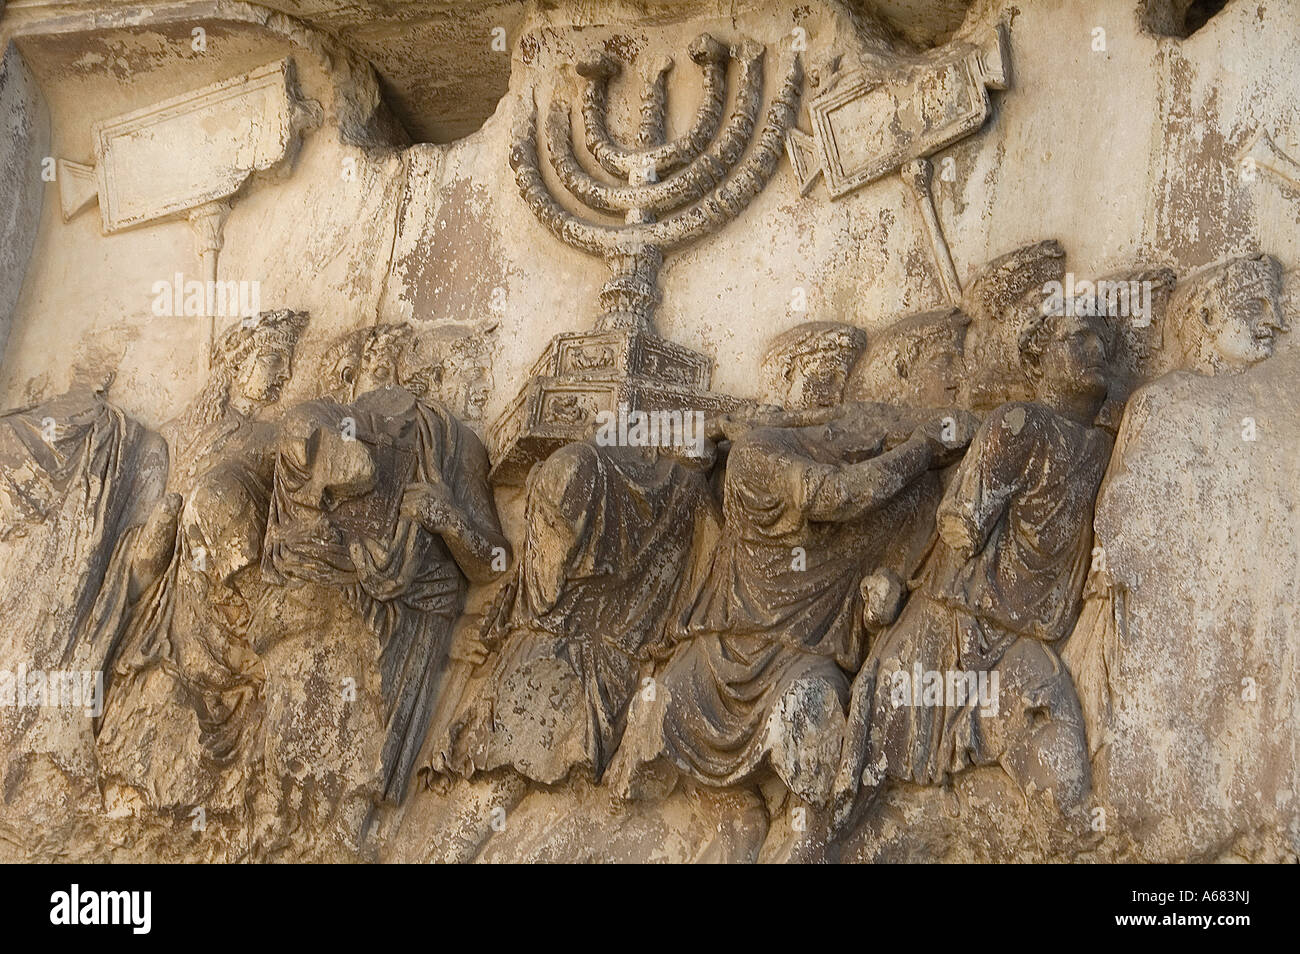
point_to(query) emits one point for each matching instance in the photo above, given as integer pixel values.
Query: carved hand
(949, 435)
(465, 648)
(733, 424)
(369, 559)
(883, 593)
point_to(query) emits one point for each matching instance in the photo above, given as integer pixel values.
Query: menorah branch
(692, 183)
(657, 161)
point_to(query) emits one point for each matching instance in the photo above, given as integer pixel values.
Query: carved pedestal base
(583, 373)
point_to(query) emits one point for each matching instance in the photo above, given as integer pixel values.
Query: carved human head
(254, 359)
(380, 353)
(1009, 291)
(1228, 317)
(917, 361)
(808, 365)
(1007, 296)
(1063, 355)
(467, 377)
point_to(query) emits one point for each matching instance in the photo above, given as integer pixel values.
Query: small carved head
(254, 359)
(380, 352)
(1228, 317)
(1063, 354)
(808, 365)
(917, 361)
(467, 377)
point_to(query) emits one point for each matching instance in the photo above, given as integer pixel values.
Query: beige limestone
(386, 208)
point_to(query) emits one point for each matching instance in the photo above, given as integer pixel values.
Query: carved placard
(868, 126)
(195, 148)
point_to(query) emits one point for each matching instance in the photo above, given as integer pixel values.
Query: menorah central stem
(630, 296)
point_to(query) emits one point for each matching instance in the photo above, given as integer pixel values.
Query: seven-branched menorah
(670, 193)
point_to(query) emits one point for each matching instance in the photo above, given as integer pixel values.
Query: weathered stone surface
(555, 431)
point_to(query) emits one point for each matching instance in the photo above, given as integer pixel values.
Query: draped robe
(779, 608)
(182, 713)
(392, 633)
(608, 542)
(70, 507)
(1024, 496)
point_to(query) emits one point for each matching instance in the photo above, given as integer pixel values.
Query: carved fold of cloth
(340, 475)
(77, 477)
(1093, 651)
(776, 623)
(1021, 505)
(608, 542)
(182, 717)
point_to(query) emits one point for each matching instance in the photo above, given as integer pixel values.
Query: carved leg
(857, 743)
(1038, 733)
(805, 734)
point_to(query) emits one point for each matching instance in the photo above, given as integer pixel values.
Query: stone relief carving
(250, 123)
(1229, 316)
(704, 189)
(1002, 585)
(331, 611)
(453, 369)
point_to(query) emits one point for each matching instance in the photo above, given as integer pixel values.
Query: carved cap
(814, 337)
(705, 49)
(1258, 276)
(1009, 277)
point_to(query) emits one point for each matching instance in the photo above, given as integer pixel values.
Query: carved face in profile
(1249, 331)
(263, 373)
(1230, 317)
(916, 362)
(1245, 326)
(815, 380)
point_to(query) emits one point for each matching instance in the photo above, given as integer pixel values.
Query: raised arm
(475, 547)
(848, 491)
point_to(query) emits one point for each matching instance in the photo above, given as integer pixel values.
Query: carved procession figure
(1223, 321)
(609, 534)
(180, 724)
(758, 679)
(999, 592)
(380, 516)
(78, 479)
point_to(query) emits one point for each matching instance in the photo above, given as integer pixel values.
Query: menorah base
(583, 373)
